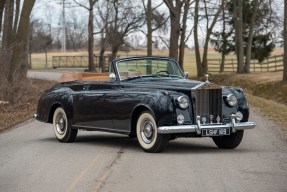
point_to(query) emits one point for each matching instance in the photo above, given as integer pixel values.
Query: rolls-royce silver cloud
(149, 98)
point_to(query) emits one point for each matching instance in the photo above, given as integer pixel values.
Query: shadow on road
(179, 146)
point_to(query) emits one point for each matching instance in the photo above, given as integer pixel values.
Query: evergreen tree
(262, 43)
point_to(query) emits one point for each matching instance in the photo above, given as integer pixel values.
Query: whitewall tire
(62, 128)
(148, 137)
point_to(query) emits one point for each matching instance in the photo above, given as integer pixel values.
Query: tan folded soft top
(83, 76)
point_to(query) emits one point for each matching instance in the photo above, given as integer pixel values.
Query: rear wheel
(62, 128)
(230, 141)
(148, 137)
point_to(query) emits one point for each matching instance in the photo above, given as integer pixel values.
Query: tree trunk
(16, 18)
(223, 39)
(239, 35)
(175, 14)
(207, 37)
(114, 52)
(91, 38)
(102, 59)
(250, 37)
(102, 53)
(174, 36)
(25, 61)
(2, 5)
(19, 60)
(182, 36)
(200, 72)
(8, 24)
(149, 28)
(285, 43)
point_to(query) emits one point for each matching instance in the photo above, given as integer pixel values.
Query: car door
(93, 106)
(106, 106)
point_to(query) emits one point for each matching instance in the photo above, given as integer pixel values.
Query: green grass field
(39, 59)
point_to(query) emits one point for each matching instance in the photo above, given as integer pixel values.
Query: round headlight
(183, 102)
(231, 100)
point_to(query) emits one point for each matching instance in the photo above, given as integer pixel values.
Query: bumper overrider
(233, 125)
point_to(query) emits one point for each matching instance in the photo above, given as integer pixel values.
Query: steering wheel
(158, 72)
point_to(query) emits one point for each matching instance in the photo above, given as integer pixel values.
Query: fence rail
(78, 62)
(271, 64)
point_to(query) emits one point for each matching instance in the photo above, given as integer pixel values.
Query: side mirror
(186, 74)
(112, 76)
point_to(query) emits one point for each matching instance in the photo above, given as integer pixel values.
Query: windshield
(148, 67)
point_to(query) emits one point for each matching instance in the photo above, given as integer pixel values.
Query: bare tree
(154, 21)
(19, 63)
(211, 19)
(40, 38)
(126, 20)
(175, 14)
(90, 8)
(178, 18)
(103, 20)
(285, 43)
(182, 43)
(76, 33)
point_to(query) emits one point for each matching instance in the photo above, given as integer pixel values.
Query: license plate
(215, 132)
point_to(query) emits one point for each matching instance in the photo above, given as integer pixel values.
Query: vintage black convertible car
(149, 98)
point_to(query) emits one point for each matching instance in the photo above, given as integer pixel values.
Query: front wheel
(230, 141)
(148, 137)
(62, 128)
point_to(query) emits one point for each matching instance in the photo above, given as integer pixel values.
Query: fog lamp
(180, 119)
(238, 116)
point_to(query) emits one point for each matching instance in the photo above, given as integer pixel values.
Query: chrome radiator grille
(209, 104)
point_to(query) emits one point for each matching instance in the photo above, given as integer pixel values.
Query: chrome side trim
(100, 129)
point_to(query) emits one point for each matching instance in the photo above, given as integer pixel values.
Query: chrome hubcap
(147, 131)
(61, 124)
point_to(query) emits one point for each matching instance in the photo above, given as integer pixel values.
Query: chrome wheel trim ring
(147, 131)
(61, 124)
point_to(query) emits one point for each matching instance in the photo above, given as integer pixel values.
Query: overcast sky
(50, 11)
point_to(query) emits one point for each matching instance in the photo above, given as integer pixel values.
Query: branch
(163, 40)
(170, 6)
(81, 5)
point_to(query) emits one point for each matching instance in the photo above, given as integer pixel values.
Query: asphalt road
(51, 75)
(31, 159)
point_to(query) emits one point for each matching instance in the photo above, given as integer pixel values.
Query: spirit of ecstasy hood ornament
(206, 76)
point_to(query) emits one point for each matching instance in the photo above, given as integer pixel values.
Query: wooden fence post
(267, 64)
(276, 63)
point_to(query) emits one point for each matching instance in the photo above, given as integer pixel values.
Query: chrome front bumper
(198, 127)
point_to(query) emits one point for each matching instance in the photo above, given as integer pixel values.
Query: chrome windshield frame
(117, 71)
